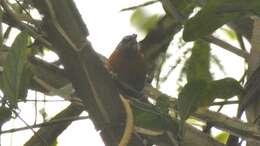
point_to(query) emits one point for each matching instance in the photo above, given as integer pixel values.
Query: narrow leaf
(198, 65)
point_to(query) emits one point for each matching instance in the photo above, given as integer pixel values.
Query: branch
(51, 132)
(92, 82)
(157, 41)
(234, 126)
(253, 110)
(16, 22)
(227, 46)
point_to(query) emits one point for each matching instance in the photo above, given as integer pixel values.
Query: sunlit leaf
(195, 122)
(222, 137)
(55, 143)
(230, 33)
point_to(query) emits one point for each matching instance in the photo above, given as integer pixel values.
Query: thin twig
(44, 124)
(24, 9)
(225, 102)
(27, 16)
(35, 108)
(53, 100)
(49, 88)
(29, 127)
(138, 6)
(22, 25)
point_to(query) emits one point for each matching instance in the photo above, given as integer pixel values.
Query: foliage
(222, 137)
(197, 67)
(143, 21)
(84, 77)
(215, 14)
(201, 93)
(16, 74)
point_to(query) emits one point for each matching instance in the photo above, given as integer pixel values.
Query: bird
(127, 64)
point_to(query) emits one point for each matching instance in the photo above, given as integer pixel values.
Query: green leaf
(5, 115)
(55, 143)
(64, 91)
(189, 100)
(150, 117)
(230, 33)
(222, 137)
(143, 21)
(190, 97)
(16, 74)
(225, 88)
(150, 22)
(215, 14)
(149, 120)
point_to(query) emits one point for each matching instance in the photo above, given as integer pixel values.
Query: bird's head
(129, 45)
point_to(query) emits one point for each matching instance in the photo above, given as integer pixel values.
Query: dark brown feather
(128, 64)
